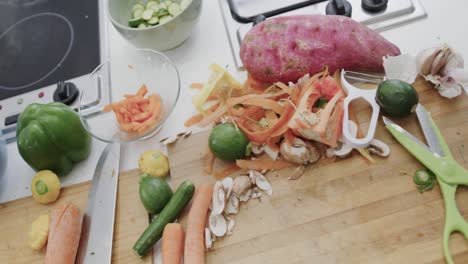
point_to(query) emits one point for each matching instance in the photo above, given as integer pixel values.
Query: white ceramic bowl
(160, 37)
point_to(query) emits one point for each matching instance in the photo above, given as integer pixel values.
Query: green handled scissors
(439, 160)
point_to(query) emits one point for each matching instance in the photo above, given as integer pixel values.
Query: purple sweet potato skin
(287, 47)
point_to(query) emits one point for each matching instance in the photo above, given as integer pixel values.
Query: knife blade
(428, 130)
(98, 223)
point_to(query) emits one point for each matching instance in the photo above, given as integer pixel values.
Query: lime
(396, 98)
(228, 142)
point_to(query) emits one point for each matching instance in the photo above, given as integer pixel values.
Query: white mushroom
(345, 149)
(297, 173)
(379, 147)
(227, 186)
(299, 152)
(230, 225)
(271, 152)
(232, 206)
(262, 183)
(255, 194)
(218, 198)
(241, 184)
(257, 149)
(245, 196)
(208, 240)
(217, 224)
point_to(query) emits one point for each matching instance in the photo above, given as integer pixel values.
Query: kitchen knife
(98, 223)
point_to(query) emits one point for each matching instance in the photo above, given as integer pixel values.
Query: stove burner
(46, 34)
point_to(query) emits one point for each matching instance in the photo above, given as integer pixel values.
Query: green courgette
(169, 214)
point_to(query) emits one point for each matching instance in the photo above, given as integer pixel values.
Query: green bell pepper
(51, 136)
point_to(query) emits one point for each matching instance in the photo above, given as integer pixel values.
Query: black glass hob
(44, 42)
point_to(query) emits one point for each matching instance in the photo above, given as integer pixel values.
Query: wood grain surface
(348, 211)
(131, 219)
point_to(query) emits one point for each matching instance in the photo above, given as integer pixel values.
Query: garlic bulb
(444, 67)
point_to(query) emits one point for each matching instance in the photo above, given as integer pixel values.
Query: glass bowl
(126, 75)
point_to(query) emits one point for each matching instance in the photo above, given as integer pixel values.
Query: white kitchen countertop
(209, 44)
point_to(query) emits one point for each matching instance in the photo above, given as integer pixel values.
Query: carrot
(64, 234)
(209, 161)
(196, 85)
(194, 252)
(228, 170)
(193, 120)
(142, 91)
(264, 164)
(172, 244)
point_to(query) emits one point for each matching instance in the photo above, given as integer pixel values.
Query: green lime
(396, 98)
(228, 142)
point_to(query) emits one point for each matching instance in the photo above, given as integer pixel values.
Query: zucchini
(165, 19)
(135, 22)
(162, 5)
(161, 12)
(169, 214)
(137, 6)
(137, 13)
(150, 4)
(173, 9)
(142, 25)
(153, 21)
(147, 14)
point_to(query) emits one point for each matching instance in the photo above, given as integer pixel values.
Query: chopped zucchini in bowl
(153, 13)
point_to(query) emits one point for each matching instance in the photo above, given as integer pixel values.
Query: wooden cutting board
(348, 211)
(131, 219)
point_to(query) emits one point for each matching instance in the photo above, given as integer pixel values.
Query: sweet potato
(285, 48)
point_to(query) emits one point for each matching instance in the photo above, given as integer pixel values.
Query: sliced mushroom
(218, 199)
(227, 186)
(232, 206)
(257, 149)
(255, 194)
(262, 183)
(245, 196)
(208, 240)
(297, 173)
(379, 147)
(241, 184)
(271, 152)
(230, 225)
(217, 224)
(345, 149)
(299, 152)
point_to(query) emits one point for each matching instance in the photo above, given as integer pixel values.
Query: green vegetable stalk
(424, 180)
(52, 137)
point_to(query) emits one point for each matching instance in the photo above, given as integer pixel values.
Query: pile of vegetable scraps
(294, 124)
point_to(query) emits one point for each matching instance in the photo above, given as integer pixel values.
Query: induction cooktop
(47, 50)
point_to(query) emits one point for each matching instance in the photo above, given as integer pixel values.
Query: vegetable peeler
(437, 158)
(354, 93)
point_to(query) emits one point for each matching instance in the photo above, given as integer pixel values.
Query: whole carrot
(194, 252)
(64, 234)
(172, 244)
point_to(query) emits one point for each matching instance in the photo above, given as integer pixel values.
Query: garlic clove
(273, 154)
(425, 58)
